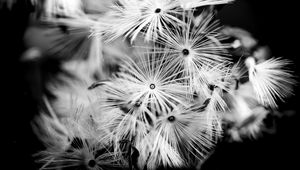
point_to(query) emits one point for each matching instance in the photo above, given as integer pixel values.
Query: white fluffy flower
(73, 142)
(270, 80)
(82, 153)
(159, 105)
(197, 49)
(130, 17)
(181, 138)
(151, 82)
(144, 90)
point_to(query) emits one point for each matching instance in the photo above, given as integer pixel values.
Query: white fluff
(189, 4)
(270, 80)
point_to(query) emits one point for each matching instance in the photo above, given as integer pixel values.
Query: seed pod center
(152, 86)
(157, 10)
(92, 163)
(171, 118)
(185, 52)
(138, 103)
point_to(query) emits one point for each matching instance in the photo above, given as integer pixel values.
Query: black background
(274, 23)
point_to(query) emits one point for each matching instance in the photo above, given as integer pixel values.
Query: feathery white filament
(189, 4)
(148, 16)
(270, 80)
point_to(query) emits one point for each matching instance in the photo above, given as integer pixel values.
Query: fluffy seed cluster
(154, 89)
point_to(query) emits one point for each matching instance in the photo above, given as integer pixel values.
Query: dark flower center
(171, 118)
(92, 163)
(212, 87)
(157, 10)
(138, 103)
(152, 86)
(185, 52)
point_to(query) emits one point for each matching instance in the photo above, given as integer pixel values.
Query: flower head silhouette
(152, 84)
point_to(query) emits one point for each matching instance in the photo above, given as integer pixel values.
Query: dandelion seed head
(182, 125)
(270, 80)
(149, 17)
(197, 50)
(83, 152)
(79, 147)
(149, 81)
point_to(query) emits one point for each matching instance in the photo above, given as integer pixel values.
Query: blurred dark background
(274, 23)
